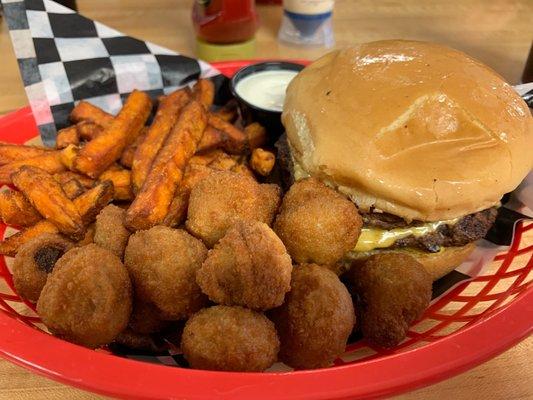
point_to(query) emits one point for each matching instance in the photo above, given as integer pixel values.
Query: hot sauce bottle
(225, 29)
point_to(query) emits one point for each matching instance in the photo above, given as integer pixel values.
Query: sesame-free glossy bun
(415, 129)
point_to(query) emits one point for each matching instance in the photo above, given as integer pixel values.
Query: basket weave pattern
(509, 275)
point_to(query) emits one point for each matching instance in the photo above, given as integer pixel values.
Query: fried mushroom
(317, 224)
(34, 261)
(223, 198)
(392, 291)
(162, 263)
(110, 231)
(316, 319)
(249, 267)
(223, 338)
(87, 298)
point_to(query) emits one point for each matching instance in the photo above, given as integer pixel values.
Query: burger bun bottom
(436, 264)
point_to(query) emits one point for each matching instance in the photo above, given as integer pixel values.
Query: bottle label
(308, 7)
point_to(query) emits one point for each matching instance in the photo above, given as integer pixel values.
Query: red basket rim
(111, 375)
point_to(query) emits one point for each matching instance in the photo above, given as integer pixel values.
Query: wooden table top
(497, 32)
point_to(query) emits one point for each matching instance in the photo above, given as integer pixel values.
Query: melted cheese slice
(375, 238)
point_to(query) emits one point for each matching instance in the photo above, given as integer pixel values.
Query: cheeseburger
(422, 138)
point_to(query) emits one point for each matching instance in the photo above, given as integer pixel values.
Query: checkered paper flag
(64, 58)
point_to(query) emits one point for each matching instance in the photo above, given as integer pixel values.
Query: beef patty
(467, 229)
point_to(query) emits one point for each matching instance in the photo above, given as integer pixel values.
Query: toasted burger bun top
(415, 129)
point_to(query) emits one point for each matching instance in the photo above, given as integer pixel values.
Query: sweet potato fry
(16, 210)
(89, 236)
(256, 135)
(15, 152)
(89, 204)
(88, 130)
(178, 208)
(203, 91)
(204, 158)
(215, 159)
(165, 118)
(228, 112)
(126, 160)
(68, 156)
(152, 202)
(177, 211)
(67, 136)
(45, 194)
(235, 138)
(65, 176)
(49, 162)
(121, 179)
(262, 161)
(211, 139)
(10, 245)
(73, 188)
(85, 111)
(98, 154)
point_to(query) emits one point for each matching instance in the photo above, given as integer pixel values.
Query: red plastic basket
(473, 322)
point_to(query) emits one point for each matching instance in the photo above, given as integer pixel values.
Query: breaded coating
(110, 232)
(145, 318)
(223, 198)
(316, 319)
(248, 267)
(34, 261)
(162, 263)
(223, 338)
(393, 290)
(317, 224)
(87, 298)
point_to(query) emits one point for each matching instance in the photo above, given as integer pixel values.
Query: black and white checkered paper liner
(526, 91)
(64, 58)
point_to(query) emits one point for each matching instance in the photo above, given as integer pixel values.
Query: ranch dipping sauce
(260, 92)
(265, 89)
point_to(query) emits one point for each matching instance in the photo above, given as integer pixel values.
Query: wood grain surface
(498, 32)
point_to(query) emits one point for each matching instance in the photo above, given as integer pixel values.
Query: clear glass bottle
(307, 22)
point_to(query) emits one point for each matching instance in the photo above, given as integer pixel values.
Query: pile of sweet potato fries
(150, 170)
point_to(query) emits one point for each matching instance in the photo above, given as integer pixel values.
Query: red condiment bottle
(225, 29)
